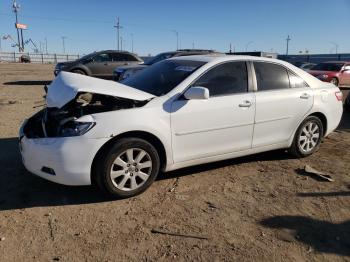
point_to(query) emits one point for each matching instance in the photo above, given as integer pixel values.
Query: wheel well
(323, 119)
(136, 134)
(80, 69)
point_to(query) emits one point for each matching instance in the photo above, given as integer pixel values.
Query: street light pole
(177, 39)
(336, 47)
(247, 45)
(63, 44)
(132, 43)
(288, 39)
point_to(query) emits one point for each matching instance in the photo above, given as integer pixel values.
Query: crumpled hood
(67, 85)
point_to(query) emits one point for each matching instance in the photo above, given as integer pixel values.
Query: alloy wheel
(131, 169)
(309, 137)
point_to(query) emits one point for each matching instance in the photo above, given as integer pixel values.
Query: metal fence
(38, 58)
(317, 58)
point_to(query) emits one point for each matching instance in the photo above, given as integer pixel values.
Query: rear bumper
(65, 160)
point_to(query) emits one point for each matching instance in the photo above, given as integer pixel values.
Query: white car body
(191, 132)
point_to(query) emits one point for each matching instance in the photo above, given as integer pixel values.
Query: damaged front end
(64, 121)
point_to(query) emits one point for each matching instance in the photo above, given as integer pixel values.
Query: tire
(335, 81)
(132, 175)
(347, 103)
(78, 71)
(305, 142)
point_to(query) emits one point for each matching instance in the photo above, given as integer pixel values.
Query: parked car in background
(337, 73)
(180, 112)
(24, 58)
(124, 72)
(99, 64)
(304, 65)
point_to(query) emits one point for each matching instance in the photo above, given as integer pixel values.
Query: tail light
(339, 95)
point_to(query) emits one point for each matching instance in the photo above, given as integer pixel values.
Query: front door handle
(245, 104)
(305, 96)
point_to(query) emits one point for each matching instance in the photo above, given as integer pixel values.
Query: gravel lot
(261, 207)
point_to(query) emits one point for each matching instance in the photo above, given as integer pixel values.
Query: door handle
(245, 104)
(305, 96)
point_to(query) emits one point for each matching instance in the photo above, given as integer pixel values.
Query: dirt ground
(256, 208)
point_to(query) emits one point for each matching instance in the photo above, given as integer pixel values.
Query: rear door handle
(245, 104)
(305, 96)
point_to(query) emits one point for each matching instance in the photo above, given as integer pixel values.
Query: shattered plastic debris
(310, 170)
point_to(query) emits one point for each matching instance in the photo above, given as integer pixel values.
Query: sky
(263, 25)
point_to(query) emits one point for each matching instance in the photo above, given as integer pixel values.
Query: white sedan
(177, 113)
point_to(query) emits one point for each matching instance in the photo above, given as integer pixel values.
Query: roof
(211, 59)
(217, 57)
(336, 62)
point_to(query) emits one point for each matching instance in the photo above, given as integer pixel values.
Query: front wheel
(308, 137)
(78, 71)
(128, 168)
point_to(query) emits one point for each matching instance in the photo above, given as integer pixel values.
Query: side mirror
(197, 92)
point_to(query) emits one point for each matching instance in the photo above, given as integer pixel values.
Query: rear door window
(123, 57)
(271, 76)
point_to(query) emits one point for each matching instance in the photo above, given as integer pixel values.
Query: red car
(336, 72)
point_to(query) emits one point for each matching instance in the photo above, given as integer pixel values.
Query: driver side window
(225, 79)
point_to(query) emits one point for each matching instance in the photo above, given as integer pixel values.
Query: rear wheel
(128, 168)
(335, 81)
(308, 137)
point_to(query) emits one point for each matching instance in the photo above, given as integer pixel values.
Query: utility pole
(15, 8)
(177, 39)
(46, 45)
(121, 43)
(230, 48)
(63, 44)
(118, 26)
(192, 45)
(288, 39)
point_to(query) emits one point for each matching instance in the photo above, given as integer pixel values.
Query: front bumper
(68, 158)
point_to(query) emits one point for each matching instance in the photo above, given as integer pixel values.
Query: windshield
(159, 58)
(162, 77)
(87, 56)
(335, 67)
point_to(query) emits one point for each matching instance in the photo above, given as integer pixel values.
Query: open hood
(67, 85)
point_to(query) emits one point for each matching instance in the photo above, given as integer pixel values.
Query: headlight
(322, 76)
(74, 128)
